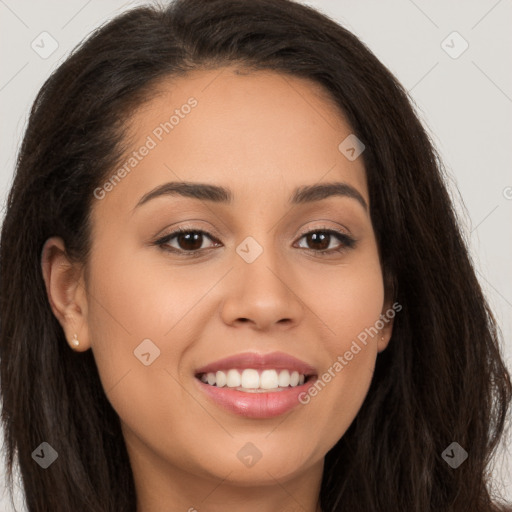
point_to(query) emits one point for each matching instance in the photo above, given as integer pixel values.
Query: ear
(65, 288)
(388, 312)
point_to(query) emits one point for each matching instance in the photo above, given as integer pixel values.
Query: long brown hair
(442, 377)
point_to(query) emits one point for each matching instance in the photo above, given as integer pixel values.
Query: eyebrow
(217, 194)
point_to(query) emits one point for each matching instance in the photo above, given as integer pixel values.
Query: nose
(263, 293)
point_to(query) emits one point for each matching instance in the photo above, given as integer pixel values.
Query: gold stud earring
(382, 339)
(75, 341)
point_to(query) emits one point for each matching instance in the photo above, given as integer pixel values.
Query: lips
(267, 404)
(273, 360)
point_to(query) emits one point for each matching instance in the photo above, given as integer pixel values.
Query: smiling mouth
(255, 381)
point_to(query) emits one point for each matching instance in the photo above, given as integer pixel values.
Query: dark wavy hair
(442, 377)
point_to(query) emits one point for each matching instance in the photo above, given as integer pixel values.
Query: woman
(233, 205)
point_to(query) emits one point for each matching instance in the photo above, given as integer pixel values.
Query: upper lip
(273, 360)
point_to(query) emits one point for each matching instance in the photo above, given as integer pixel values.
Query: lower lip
(256, 405)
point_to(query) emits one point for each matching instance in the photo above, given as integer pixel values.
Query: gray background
(465, 103)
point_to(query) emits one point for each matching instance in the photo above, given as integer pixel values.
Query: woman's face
(255, 282)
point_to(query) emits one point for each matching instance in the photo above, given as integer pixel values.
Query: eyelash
(347, 241)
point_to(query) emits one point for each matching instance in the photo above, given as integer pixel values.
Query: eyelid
(210, 231)
(341, 229)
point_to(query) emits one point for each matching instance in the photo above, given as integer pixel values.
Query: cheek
(141, 296)
(343, 381)
(349, 304)
(130, 302)
(349, 298)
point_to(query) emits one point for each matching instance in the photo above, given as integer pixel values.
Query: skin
(261, 134)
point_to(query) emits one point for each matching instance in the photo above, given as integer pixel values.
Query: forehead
(262, 133)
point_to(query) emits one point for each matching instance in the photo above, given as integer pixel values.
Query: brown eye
(320, 240)
(189, 241)
(185, 240)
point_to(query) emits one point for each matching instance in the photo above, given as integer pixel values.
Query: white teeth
(251, 379)
(284, 378)
(269, 379)
(233, 379)
(220, 379)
